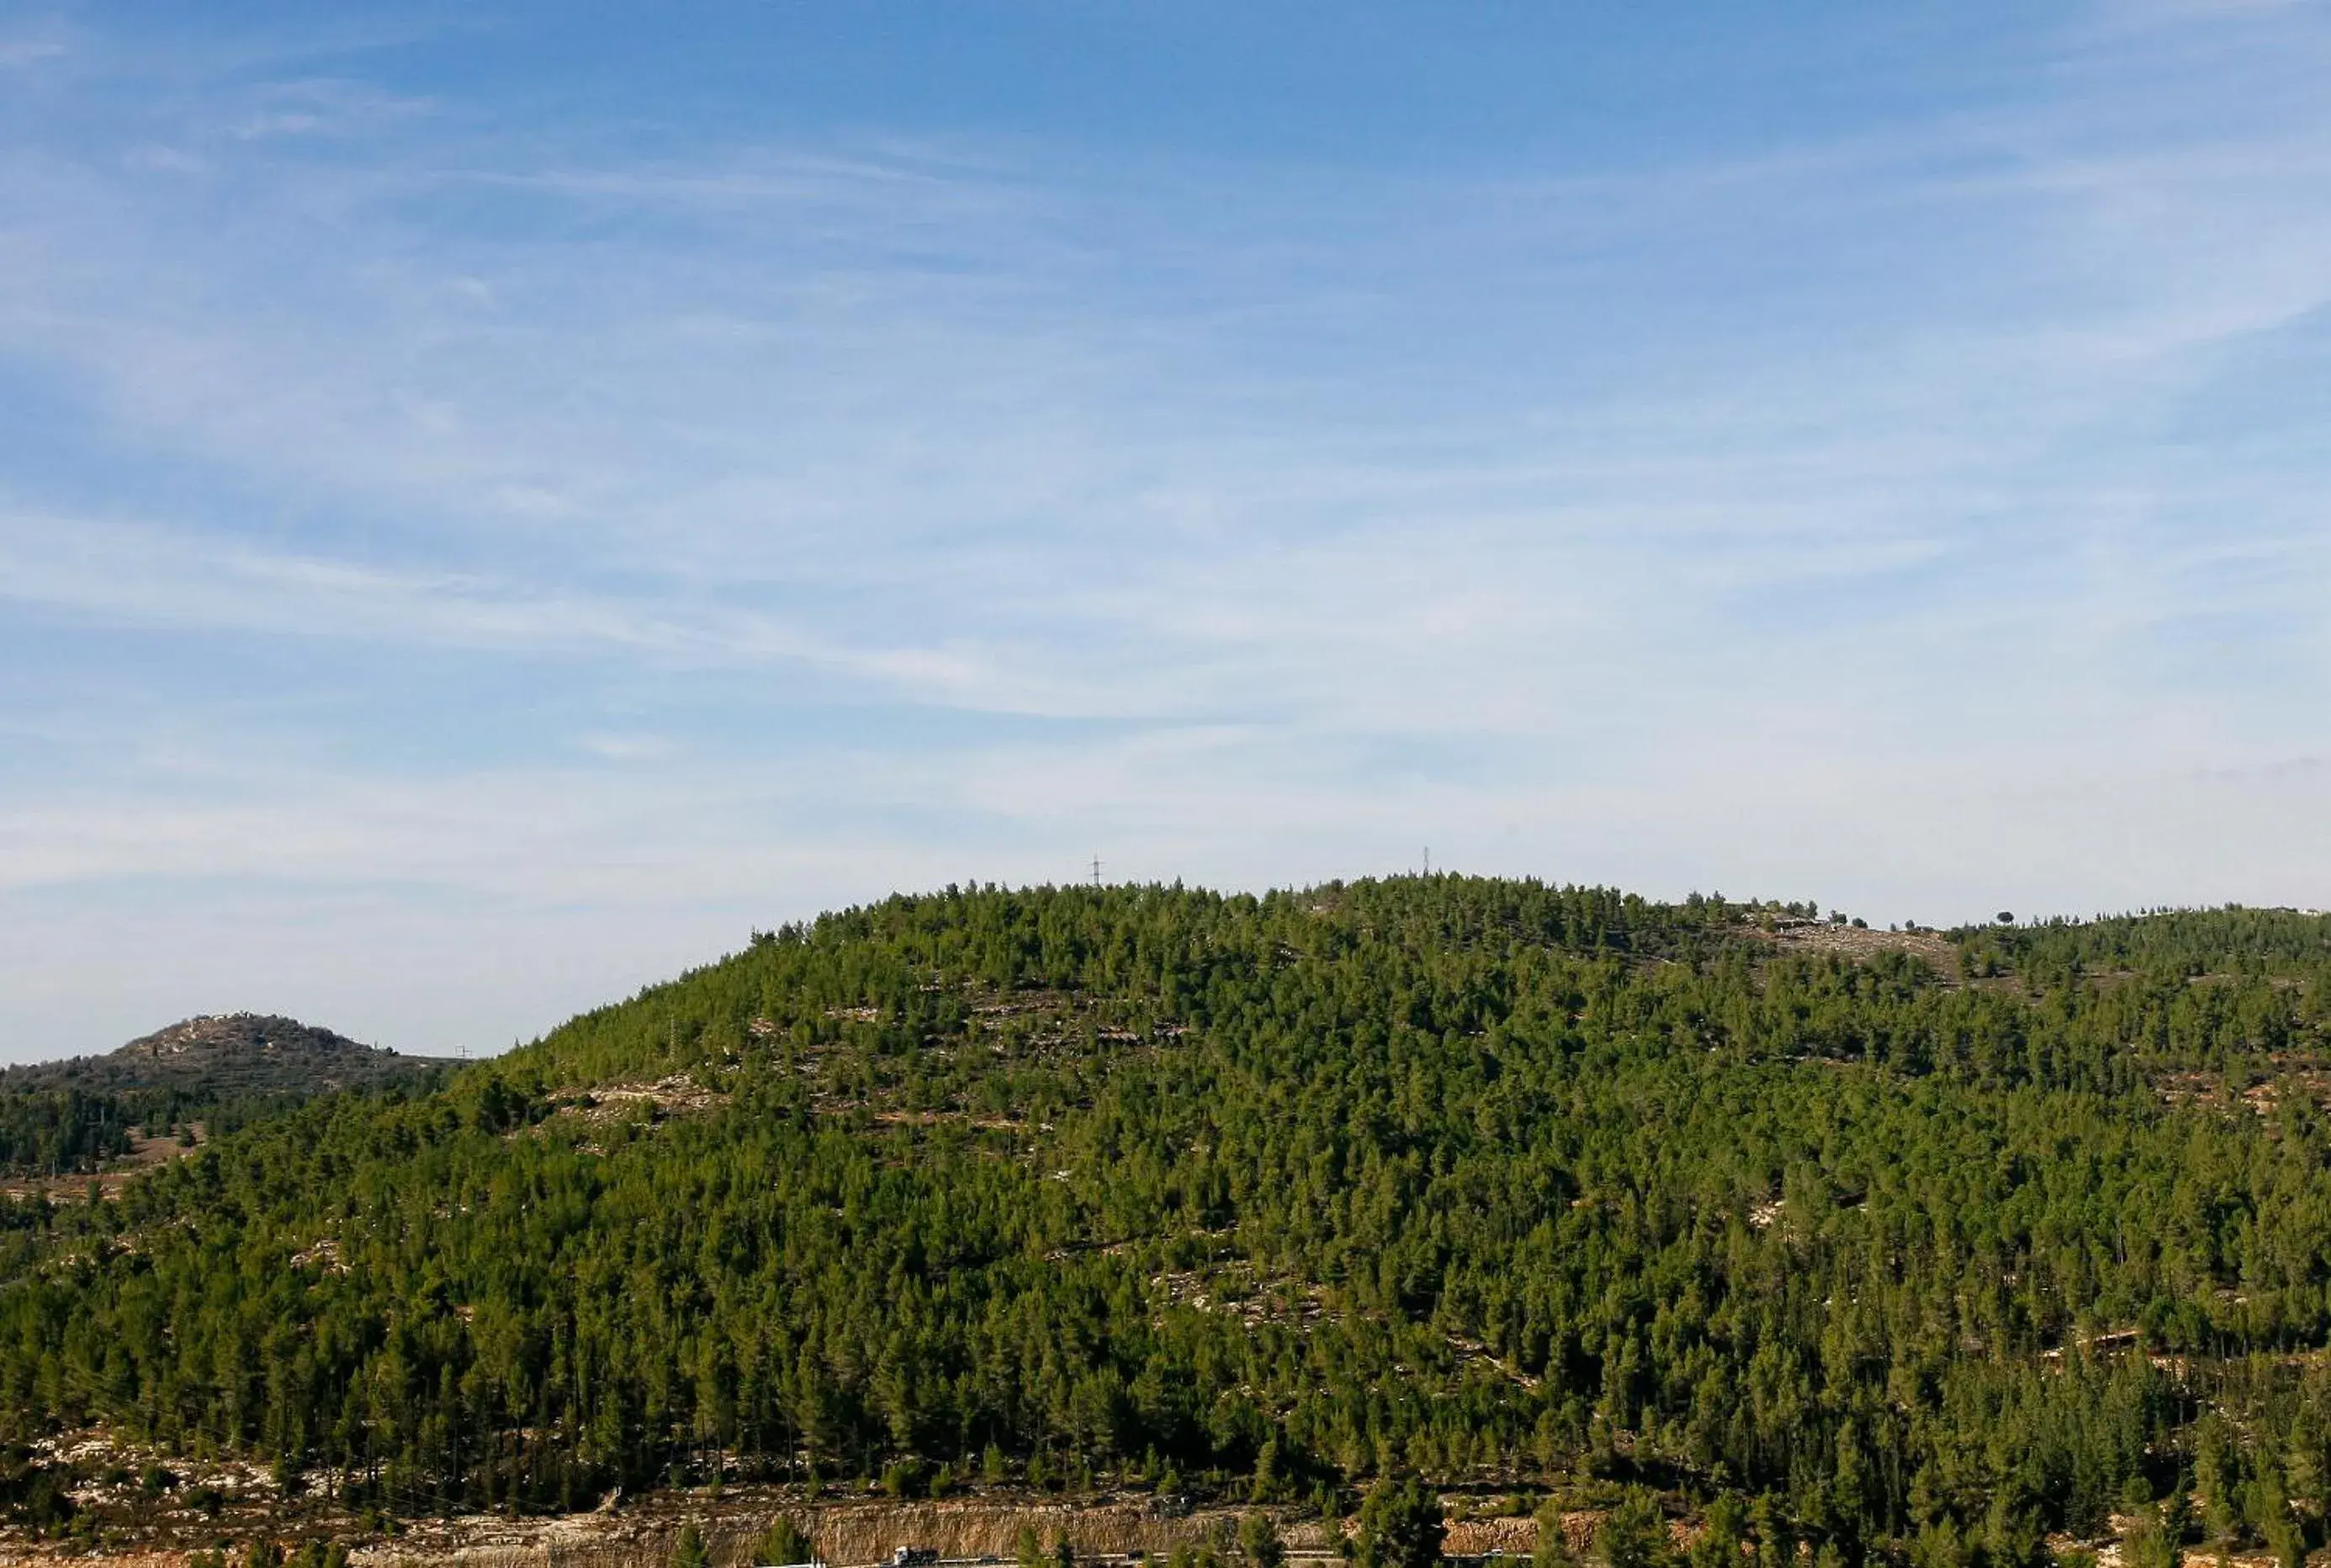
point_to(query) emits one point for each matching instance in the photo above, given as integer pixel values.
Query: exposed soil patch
(993, 1123)
(642, 1533)
(144, 1153)
(1858, 943)
(615, 1102)
(2300, 1077)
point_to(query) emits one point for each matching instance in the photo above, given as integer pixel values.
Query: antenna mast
(1096, 870)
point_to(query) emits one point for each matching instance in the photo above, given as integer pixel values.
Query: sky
(499, 502)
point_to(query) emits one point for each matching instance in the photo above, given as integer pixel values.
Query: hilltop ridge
(1926, 1243)
(231, 1053)
(84, 1115)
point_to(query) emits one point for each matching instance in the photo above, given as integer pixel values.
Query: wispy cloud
(16, 52)
(431, 511)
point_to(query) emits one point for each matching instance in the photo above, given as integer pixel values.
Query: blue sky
(497, 502)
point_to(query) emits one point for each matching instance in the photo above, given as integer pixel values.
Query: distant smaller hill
(226, 1056)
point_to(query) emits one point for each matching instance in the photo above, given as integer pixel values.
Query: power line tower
(1096, 870)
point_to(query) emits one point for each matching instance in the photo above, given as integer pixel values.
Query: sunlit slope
(1476, 1179)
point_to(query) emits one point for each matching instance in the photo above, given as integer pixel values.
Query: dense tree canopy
(57, 1131)
(1926, 1246)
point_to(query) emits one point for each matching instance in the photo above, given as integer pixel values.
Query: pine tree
(1259, 1542)
(1635, 1535)
(782, 1544)
(1401, 1526)
(1552, 1549)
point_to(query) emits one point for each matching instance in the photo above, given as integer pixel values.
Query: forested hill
(1920, 1239)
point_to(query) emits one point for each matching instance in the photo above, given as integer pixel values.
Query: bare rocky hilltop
(234, 1053)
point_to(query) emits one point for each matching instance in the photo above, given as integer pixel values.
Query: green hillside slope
(1934, 1241)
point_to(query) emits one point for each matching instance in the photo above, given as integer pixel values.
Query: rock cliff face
(227, 1053)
